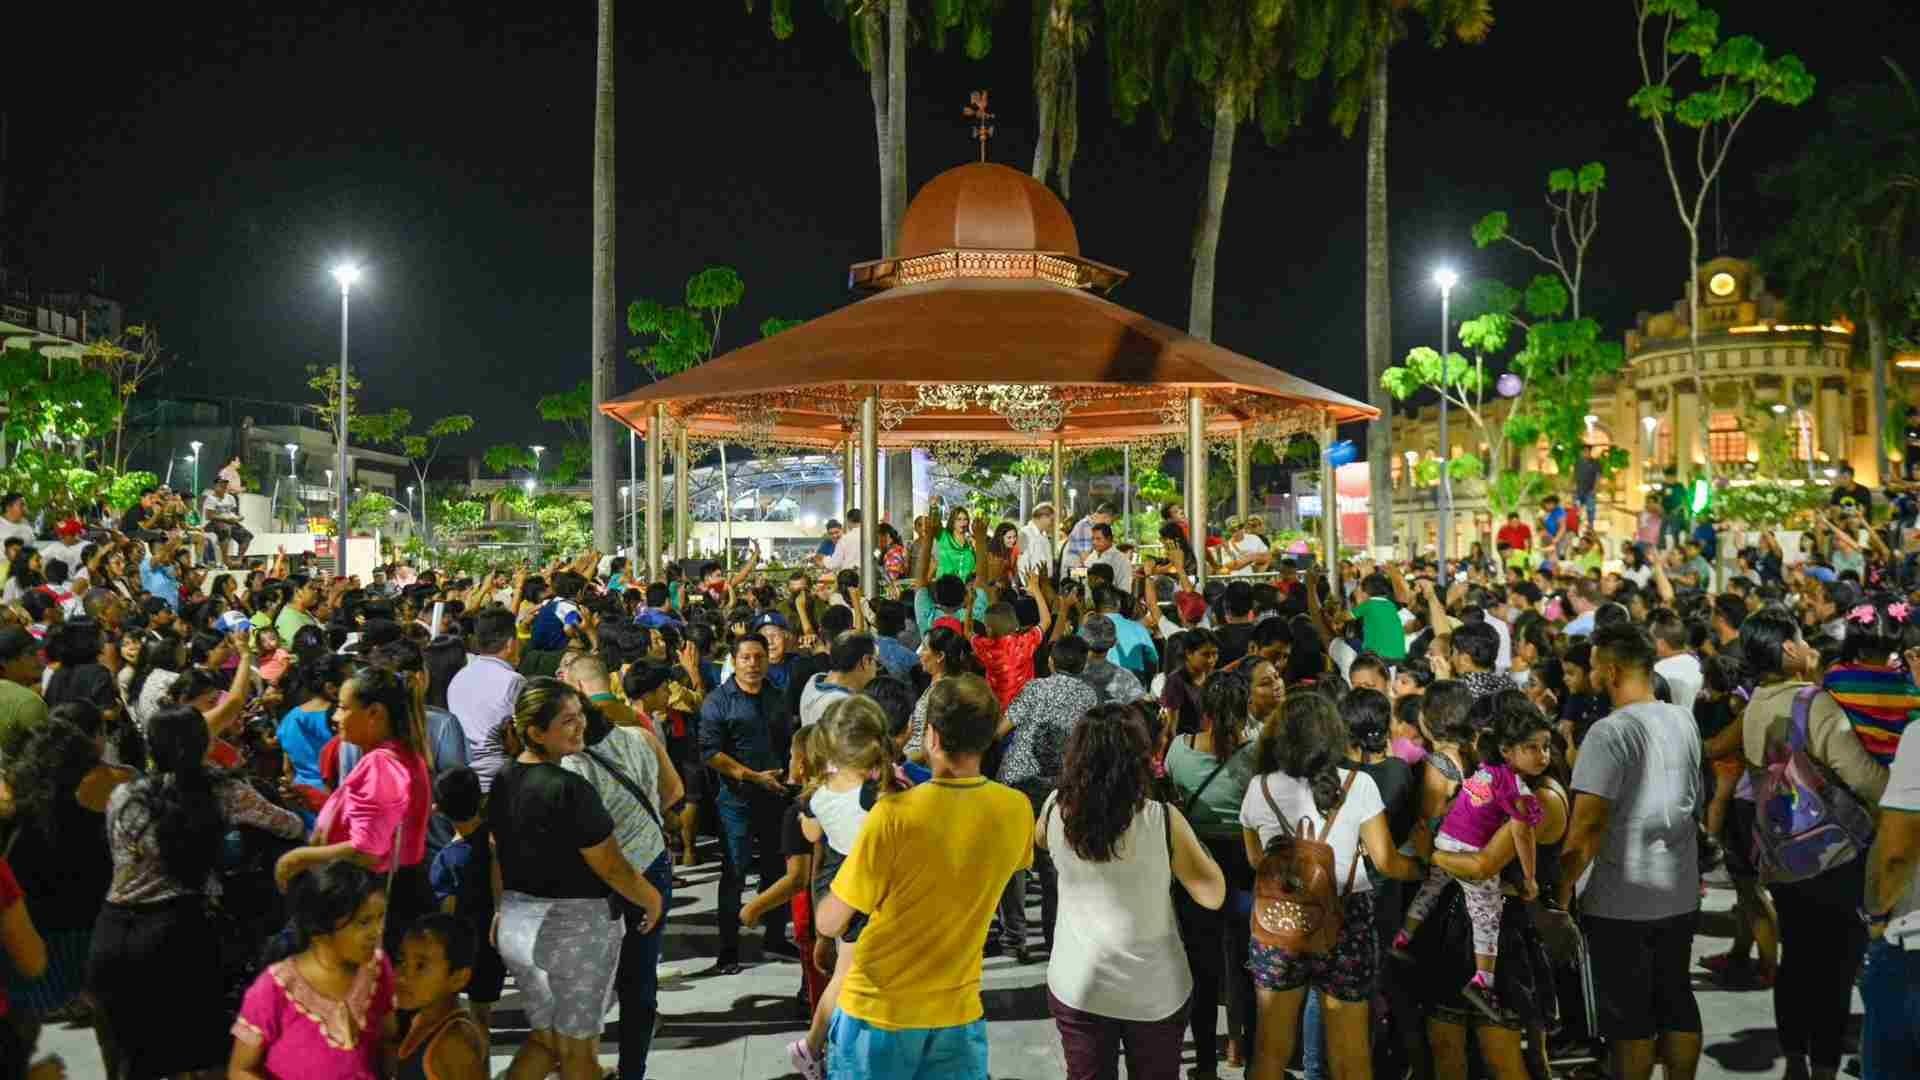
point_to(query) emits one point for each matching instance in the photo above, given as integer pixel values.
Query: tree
(1852, 244)
(1062, 33)
(395, 428)
(880, 31)
(1463, 383)
(605, 327)
(128, 363)
(1735, 76)
(1382, 24)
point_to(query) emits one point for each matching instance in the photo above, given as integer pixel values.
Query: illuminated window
(1726, 440)
(1663, 443)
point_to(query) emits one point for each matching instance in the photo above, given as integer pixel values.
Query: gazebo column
(1330, 511)
(849, 474)
(1242, 474)
(656, 434)
(869, 491)
(1059, 502)
(681, 518)
(1197, 486)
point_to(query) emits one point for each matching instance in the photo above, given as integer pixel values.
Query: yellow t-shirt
(928, 869)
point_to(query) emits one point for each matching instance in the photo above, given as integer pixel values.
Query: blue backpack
(1804, 823)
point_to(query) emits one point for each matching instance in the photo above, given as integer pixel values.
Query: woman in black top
(558, 866)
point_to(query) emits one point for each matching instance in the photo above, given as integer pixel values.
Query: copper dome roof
(983, 206)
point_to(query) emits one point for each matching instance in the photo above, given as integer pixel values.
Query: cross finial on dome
(976, 110)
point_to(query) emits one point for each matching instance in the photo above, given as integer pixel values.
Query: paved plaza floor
(738, 1026)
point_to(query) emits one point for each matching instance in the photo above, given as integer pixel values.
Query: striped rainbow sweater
(1879, 702)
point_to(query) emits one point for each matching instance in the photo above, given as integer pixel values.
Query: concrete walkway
(738, 1027)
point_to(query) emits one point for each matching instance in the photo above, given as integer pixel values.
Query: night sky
(213, 165)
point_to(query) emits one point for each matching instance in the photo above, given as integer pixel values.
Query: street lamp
(346, 274)
(537, 451)
(1446, 279)
(196, 445)
(410, 507)
(293, 469)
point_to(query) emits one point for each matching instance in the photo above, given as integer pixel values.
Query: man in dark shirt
(1586, 482)
(138, 522)
(1236, 604)
(737, 741)
(1846, 492)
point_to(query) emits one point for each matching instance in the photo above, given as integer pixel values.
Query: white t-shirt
(1036, 550)
(1502, 660)
(1682, 672)
(22, 529)
(1903, 794)
(846, 554)
(1249, 545)
(1295, 799)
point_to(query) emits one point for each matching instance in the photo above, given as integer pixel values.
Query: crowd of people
(1395, 820)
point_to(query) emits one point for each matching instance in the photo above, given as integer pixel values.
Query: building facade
(1760, 381)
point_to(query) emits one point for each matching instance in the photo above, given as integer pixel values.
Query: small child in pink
(1494, 795)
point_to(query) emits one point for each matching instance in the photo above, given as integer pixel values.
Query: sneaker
(1482, 997)
(801, 1057)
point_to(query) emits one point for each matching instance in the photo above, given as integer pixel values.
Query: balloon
(1342, 453)
(1508, 385)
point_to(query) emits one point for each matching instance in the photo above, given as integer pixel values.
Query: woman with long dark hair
(1303, 776)
(953, 548)
(1188, 661)
(58, 850)
(1820, 945)
(944, 653)
(165, 830)
(1210, 769)
(305, 729)
(1117, 977)
(161, 662)
(378, 815)
(24, 573)
(558, 863)
(1307, 659)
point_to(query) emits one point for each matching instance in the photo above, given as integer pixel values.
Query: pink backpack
(1805, 823)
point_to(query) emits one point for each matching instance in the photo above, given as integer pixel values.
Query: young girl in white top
(859, 771)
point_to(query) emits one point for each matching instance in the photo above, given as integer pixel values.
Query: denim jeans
(749, 838)
(638, 983)
(1890, 1041)
(1313, 1041)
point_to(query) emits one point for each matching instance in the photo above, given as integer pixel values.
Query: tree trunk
(1379, 314)
(1877, 352)
(897, 34)
(877, 88)
(1046, 87)
(605, 332)
(1206, 238)
(1701, 441)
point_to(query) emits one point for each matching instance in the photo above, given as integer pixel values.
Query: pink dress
(1488, 799)
(307, 1034)
(386, 789)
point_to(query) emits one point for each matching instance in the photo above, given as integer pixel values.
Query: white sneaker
(803, 1061)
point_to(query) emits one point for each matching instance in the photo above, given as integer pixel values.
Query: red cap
(950, 623)
(69, 527)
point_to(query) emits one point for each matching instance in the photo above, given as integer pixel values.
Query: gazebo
(989, 332)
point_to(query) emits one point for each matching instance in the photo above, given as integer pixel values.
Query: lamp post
(537, 451)
(410, 507)
(195, 445)
(1446, 279)
(346, 274)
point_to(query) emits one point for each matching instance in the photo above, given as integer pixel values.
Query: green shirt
(290, 621)
(20, 709)
(1216, 812)
(1380, 628)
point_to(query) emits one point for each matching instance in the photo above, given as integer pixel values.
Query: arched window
(1726, 439)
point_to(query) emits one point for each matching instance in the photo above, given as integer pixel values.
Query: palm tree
(606, 331)
(1852, 246)
(1062, 31)
(1365, 85)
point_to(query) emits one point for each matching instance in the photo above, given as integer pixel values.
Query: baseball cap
(769, 618)
(950, 623)
(69, 527)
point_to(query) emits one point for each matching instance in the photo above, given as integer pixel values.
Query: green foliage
(506, 457)
(1767, 505)
(462, 514)
(683, 336)
(777, 325)
(124, 490)
(370, 511)
(1546, 297)
(1490, 229)
(1516, 490)
(1454, 376)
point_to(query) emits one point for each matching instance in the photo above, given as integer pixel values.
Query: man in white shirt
(220, 515)
(1105, 554)
(1036, 542)
(846, 552)
(13, 519)
(1679, 667)
(67, 548)
(1890, 1041)
(1246, 552)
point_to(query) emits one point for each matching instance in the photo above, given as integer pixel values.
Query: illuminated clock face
(1721, 284)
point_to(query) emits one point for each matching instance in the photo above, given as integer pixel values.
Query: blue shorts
(857, 1050)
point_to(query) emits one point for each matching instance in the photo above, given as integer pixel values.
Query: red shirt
(10, 894)
(1515, 535)
(1009, 662)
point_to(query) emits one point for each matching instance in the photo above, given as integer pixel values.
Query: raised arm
(927, 533)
